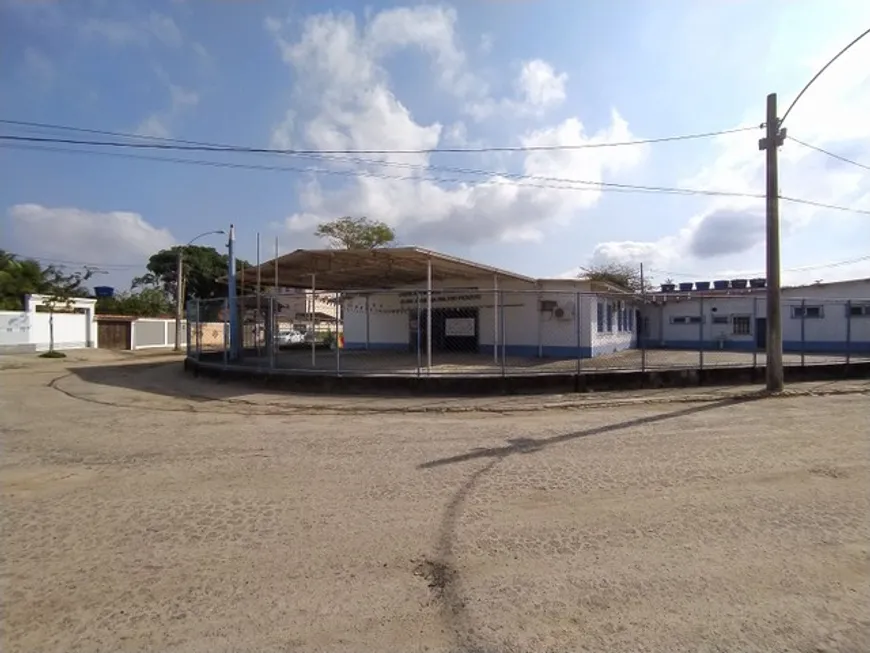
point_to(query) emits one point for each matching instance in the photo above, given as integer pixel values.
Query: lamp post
(179, 285)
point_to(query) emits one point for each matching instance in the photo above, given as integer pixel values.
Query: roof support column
(495, 298)
(311, 315)
(429, 315)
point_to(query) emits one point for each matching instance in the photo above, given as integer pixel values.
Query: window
(600, 317)
(807, 312)
(720, 319)
(741, 325)
(620, 317)
(609, 317)
(686, 319)
(630, 319)
(858, 310)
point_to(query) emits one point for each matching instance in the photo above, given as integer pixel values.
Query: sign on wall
(459, 326)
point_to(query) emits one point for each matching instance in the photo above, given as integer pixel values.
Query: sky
(420, 76)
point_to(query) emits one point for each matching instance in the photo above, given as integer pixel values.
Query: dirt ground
(140, 515)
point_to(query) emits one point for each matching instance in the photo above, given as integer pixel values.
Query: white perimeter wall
(29, 331)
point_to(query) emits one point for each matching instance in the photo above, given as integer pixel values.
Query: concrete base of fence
(212, 365)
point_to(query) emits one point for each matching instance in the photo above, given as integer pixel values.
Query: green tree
(145, 302)
(356, 233)
(624, 275)
(20, 277)
(63, 288)
(203, 268)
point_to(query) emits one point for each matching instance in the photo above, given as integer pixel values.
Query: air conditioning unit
(564, 311)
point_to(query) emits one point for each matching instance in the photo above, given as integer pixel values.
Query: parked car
(287, 337)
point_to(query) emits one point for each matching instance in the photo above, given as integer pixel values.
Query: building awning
(351, 269)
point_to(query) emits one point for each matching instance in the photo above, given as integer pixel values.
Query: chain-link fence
(504, 331)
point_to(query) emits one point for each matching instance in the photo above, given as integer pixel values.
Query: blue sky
(424, 75)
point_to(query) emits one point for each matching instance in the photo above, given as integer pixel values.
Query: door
(113, 334)
(761, 333)
(455, 330)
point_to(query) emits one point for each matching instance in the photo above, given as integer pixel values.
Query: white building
(818, 318)
(386, 296)
(30, 330)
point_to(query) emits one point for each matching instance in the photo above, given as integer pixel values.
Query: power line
(512, 179)
(66, 262)
(816, 76)
(822, 205)
(830, 154)
(820, 266)
(193, 146)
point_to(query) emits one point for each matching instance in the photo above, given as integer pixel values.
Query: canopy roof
(358, 269)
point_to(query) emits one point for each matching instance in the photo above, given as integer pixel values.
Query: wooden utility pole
(770, 144)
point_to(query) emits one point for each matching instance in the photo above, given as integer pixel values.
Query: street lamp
(179, 285)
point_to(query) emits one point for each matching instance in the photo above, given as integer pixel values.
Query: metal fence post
(803, 332)
(272, 331)
(336, 340)
(577, 328)
(754, 331)
(503, 332)
(848, 331)
(419, 337)
(225, 314)
(640, 322)
(701, 334)
(198, 331)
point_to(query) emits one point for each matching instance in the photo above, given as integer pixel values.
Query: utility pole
(774, 137)
(232, 303)
(179, 297)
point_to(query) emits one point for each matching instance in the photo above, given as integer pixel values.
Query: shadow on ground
(448, 583)
(165, 378)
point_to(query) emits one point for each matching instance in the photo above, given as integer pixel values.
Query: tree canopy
(203, 267)
(20, 277)
(356, 233)
(146, 302)
(624, 275)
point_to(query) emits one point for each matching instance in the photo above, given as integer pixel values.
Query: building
(817, 318)
(30, 330)
(410, 299)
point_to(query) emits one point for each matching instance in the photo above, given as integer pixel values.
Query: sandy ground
(134, 519)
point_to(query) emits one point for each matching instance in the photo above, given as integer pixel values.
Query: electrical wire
(200, 146)
(820, 266)
(510, 178)
(816, 76)
(830, 154)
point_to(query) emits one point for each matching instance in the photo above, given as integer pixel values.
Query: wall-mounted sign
(462, 327)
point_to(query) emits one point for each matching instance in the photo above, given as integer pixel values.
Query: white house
(819, 318)
(410, 299)
(28, 330)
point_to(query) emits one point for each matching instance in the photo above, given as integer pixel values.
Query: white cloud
(540, 86)
(164, 29)
(344, 100)
(831, 115)
(156, 26)
(153, 126)
(486, 43)
(38, 67)
(158, 124)
(81, 236)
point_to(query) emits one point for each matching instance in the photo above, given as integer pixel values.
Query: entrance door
(761, 333)
(455, 330)
(113, 334)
